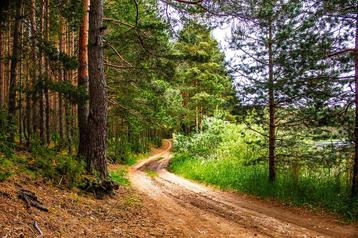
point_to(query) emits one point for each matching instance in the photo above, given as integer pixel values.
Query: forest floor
(203, 211)
(158, 204)
(75, 214)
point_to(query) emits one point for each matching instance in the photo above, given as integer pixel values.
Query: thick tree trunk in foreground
(96, 153)
(272, 122)
(355, 166)
(83, 80)
(14, 61)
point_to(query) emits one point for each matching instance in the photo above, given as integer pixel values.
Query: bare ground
(72, 214)
(202, 211)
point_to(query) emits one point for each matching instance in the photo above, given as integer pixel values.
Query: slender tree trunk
(20, 121)
(201, 119)
(41, 80)
(355, 166)
(67, 102)
(60, 99)
(14, 61)
(28, 108)
(272, 108)
(196, 119)
(83, 80)
(35, 108)
(97, 119)
(47, 99)
(1, 68)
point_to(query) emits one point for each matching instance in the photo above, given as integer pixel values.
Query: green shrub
(119, 176)
(61, 169)
(234, 157)
(5, 168)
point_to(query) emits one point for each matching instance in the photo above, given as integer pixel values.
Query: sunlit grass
(119, 176)
(311, 189)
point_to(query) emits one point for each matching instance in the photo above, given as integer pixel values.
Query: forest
(236, 118)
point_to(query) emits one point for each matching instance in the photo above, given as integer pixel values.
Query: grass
(151, 173)
(134, 158)
(119, 176)
(310, 189)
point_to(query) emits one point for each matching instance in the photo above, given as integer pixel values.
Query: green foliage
(59, 60)
(232, 157)
(119, 176)
(5, 168)
(220, 139)
(6, 147)
(312, 189)
(60, 169)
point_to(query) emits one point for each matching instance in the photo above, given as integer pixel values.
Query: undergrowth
(224, 155)
(61, 169)
(119, 176)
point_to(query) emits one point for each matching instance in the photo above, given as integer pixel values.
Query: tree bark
(35, 109)
(1, 68)
(47, 99)
(14, 61)
(355, 166)
(83, 80)
(60, 99)
(41, 76)
(96, 153)
(272, 109)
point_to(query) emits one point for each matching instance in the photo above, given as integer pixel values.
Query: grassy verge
(119, 176)
(314, 190)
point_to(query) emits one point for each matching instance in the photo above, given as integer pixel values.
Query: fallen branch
(30, 199)
(36, 225)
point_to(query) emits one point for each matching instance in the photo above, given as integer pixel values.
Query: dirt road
(200, 211)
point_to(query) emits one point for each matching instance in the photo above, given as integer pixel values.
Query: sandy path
(200, 211)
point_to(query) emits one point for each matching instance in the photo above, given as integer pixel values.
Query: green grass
(119, 176)
(311, 189)
(151, 173)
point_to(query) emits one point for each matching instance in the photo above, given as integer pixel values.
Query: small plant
(119, 176)
(151, 173)
(61, 169)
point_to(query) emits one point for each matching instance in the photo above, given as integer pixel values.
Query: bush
(5, 168)
(61, 169)
(232, 157)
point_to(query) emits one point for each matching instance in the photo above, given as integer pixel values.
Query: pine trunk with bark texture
(355, 166)
(272, 111)
(14, 61)
(97, 118)
(83, 80)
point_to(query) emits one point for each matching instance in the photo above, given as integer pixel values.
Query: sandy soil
(202, 211)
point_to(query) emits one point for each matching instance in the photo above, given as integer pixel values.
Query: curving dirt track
(200, 211)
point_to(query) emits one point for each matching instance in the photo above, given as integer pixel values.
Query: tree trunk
(355, 166)
(83, 81)
(47, 99)
(96, 153)
(35, 109)
(1, 68)
(272, 107)
(60, 99)
(20, 121)
(28, 108)
(14, 61)
(67, 77)
(41, 81)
